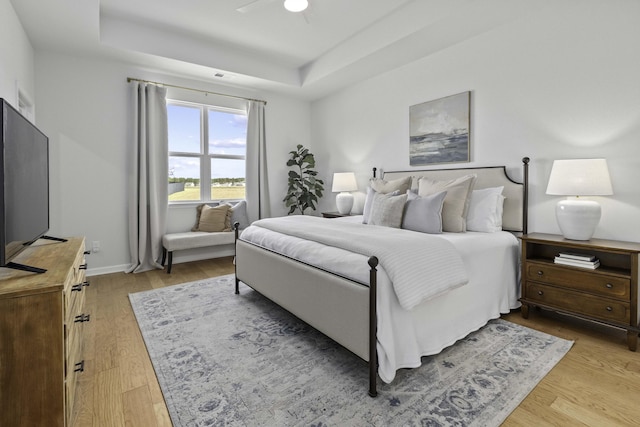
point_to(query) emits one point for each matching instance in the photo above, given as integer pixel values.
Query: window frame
(204, 156)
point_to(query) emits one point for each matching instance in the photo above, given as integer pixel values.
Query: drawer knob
(540, 293)
(76, 288)
(79, 367)
(540, 272)
(609, 308)
(609, 286)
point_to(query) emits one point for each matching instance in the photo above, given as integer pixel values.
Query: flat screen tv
(24, 193)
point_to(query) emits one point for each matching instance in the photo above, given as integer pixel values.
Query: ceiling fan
(290, 5)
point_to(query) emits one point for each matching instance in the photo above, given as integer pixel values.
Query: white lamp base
(344, 201)
(578, 218)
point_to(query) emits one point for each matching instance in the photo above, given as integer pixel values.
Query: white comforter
(404, 336)
(407, 257)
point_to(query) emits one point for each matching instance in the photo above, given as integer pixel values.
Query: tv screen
(25, 183)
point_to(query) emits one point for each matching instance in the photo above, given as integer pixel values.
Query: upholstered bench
(191, 240)
(213, 227)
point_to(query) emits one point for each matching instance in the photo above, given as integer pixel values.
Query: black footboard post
(236, 228)
(373, 326)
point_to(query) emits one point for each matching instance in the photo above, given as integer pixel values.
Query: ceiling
(331, 45)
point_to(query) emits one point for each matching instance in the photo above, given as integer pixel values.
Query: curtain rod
(206, 92)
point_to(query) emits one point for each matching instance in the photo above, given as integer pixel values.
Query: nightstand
(608, 294)
(333, 215)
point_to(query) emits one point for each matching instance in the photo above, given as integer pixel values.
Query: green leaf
(303, 187)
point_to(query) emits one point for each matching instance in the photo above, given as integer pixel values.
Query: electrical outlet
(95, 246)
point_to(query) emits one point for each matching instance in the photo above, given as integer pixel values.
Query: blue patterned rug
(226, 359)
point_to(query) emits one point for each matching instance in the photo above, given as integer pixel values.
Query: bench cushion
(196, 239)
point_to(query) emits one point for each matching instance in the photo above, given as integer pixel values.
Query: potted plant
(304, 188)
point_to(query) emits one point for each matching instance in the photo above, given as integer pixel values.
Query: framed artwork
(439, 131)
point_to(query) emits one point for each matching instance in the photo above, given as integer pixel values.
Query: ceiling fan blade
(253, 5)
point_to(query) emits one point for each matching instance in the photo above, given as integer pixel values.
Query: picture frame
(439, 131)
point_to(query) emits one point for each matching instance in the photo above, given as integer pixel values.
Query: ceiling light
(296, 5)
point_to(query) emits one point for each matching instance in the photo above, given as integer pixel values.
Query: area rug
(226, 359)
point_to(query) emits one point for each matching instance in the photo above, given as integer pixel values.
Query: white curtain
(256, 164)
(148, 172)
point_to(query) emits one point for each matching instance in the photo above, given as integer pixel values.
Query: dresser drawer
(575, 302)
(75, 303)
(74, 285)
(587, 281)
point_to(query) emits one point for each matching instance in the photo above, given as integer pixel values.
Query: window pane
(184, 128)
(184, 178)
(228, 179)
(227, 133)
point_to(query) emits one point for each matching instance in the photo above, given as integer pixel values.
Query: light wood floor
(596, 384)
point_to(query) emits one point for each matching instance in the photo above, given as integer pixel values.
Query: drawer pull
(83, 266)
(609, 308)
(86, 283)
(540, 272)
(87, 252)
(540, 293)
(76, 288)
(79, 367)
(609, 286)
(82, 318)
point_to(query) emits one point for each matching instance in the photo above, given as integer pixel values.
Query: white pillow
(456, 203)
(423, 214)
(401, 185)
(485, 210)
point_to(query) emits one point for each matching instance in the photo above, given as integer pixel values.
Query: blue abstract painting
(439, 131)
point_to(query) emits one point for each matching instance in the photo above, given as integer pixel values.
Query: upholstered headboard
(514, 217)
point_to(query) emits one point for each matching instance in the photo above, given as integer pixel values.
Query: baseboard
(107, 270)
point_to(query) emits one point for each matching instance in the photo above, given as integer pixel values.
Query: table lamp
(578, 217)
(342, 183)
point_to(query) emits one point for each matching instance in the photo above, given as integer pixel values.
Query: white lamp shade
(580, 177)
(578, 218)
(296, 5)
(343, 182)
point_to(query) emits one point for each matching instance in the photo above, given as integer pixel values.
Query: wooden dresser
(41, 319)
(607, 294)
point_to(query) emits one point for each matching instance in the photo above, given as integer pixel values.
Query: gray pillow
(424, 214)
(379, 185)
(387, 210)
(368, 203)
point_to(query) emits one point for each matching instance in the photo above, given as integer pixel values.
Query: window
(207, 152)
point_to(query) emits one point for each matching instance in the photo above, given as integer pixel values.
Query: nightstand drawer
(579, 303)
(587, 281)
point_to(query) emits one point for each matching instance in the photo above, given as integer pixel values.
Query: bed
(353, 296)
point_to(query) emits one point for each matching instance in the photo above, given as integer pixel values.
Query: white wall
(562, 83)
(16, 56)
(83, 108)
